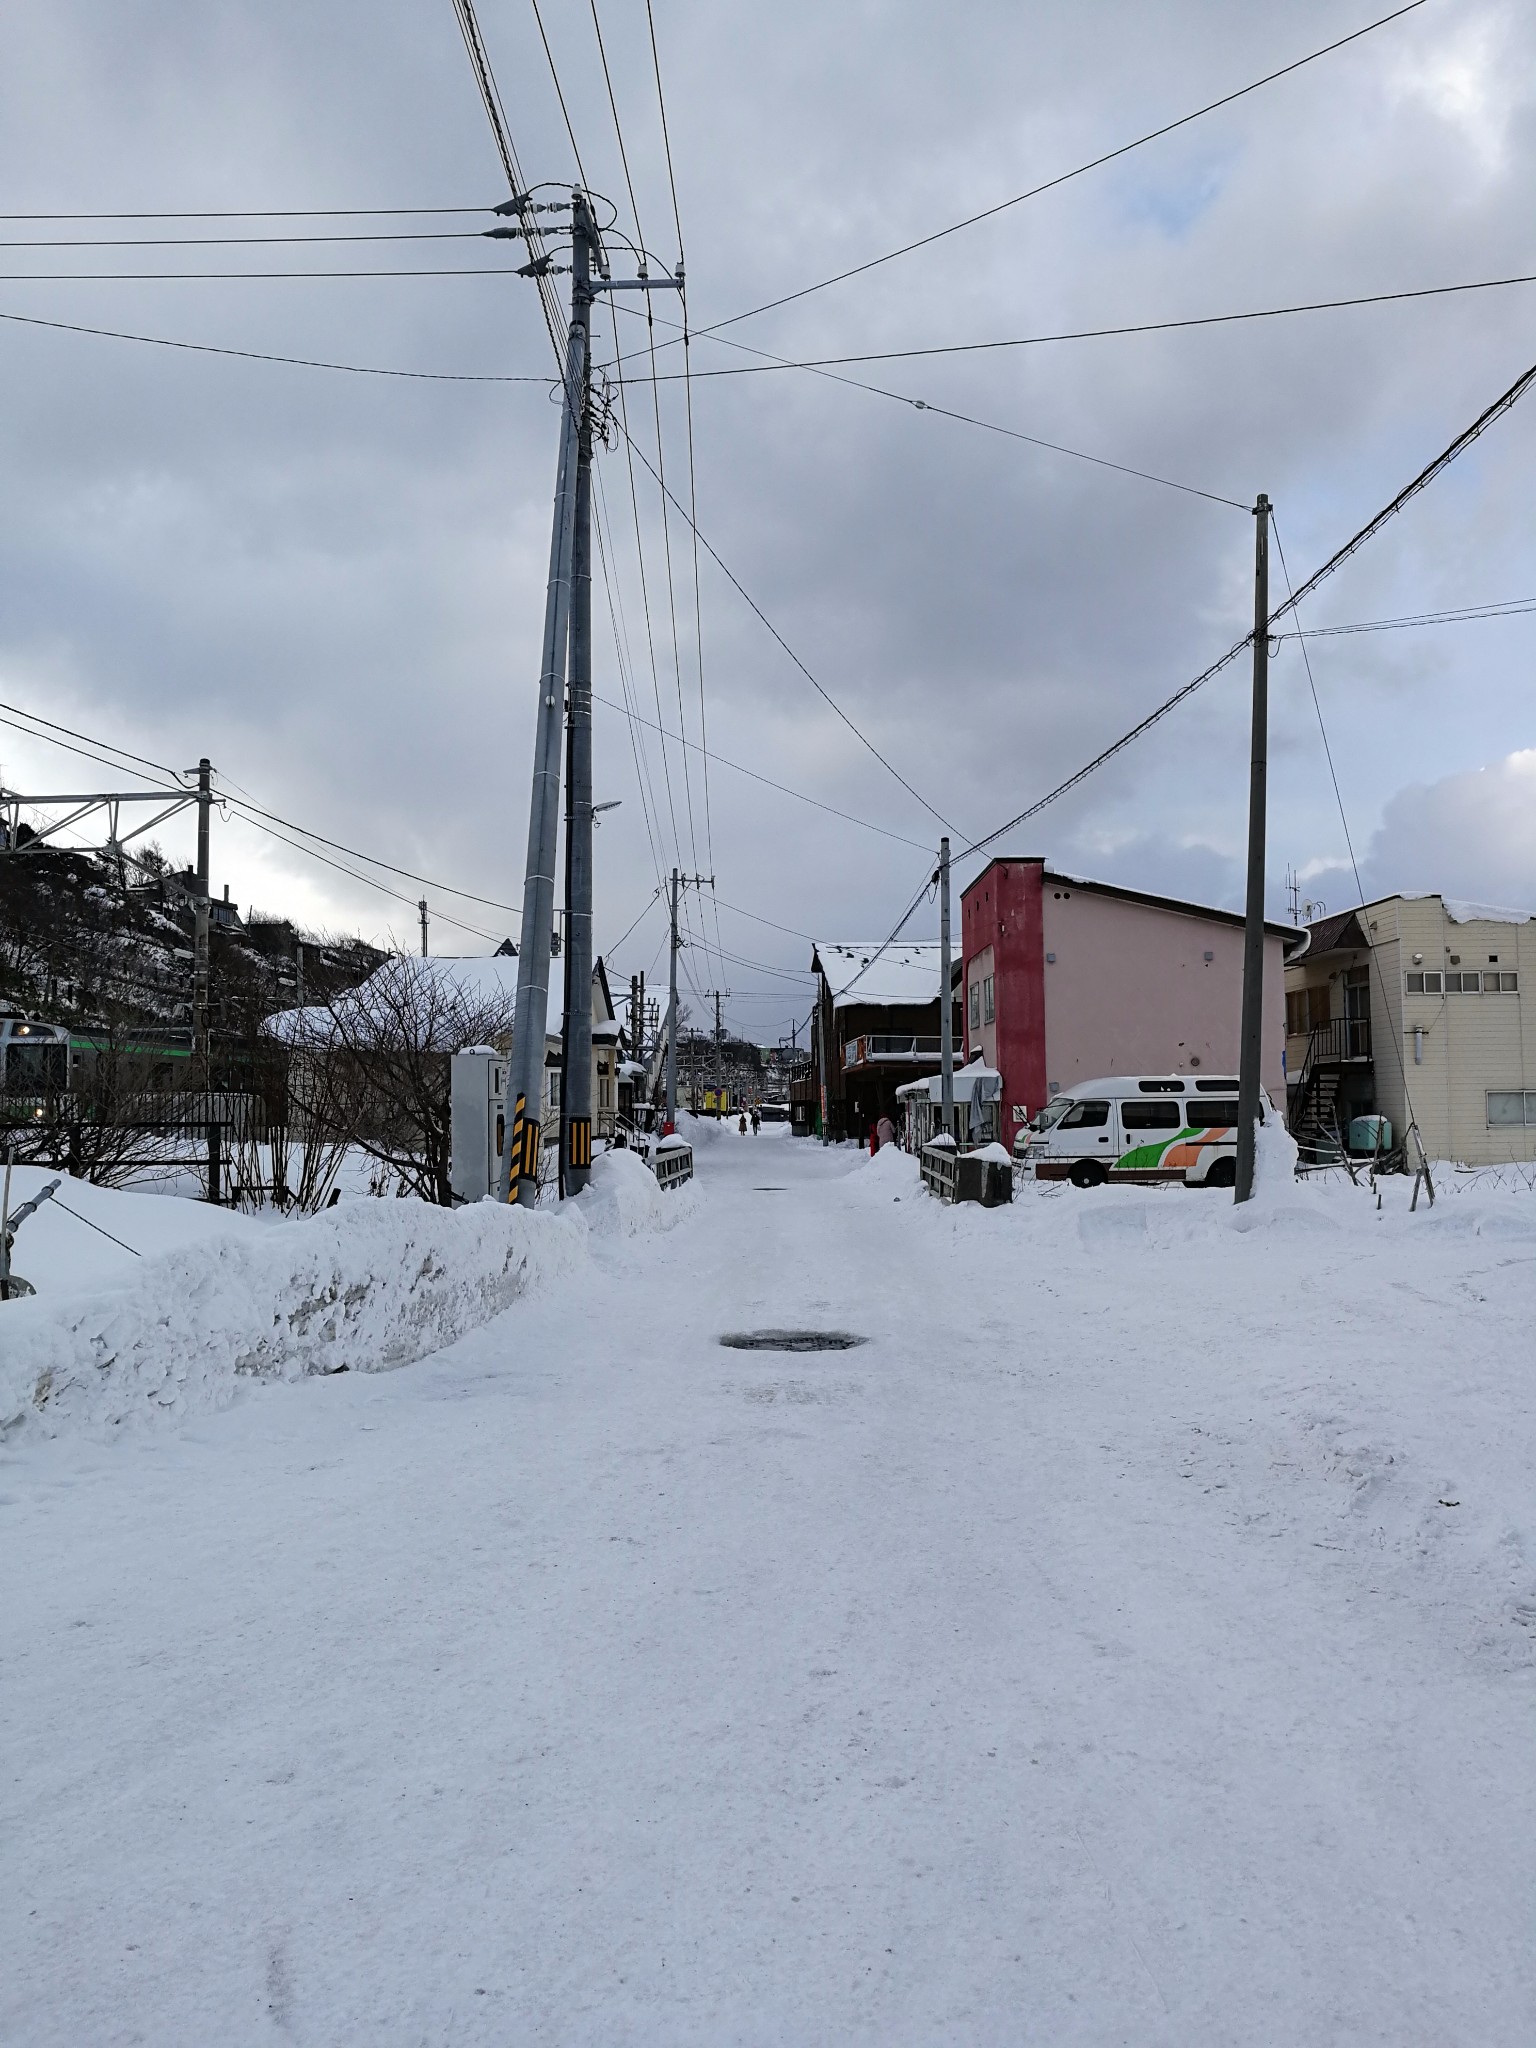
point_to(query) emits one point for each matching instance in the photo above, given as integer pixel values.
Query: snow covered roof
(905, 973)
(977, 1082)
(445, 993)
(1482, 913)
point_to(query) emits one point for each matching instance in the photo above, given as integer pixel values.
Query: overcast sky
(333, 584)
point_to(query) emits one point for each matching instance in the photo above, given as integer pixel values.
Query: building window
(1511, 1107)
(988, 1006)
(554, 1087)
(1504, 983)
(1307, 1009)
(975, 1005)
(1426, 984)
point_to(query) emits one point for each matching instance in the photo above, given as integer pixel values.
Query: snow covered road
(1087, 1657)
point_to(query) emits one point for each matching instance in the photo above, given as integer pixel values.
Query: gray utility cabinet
(477, 1093)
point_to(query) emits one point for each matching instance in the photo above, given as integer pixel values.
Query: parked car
(1137, 1127)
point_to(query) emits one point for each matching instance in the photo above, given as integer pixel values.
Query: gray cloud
(333, 585)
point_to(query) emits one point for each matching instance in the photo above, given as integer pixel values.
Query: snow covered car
(1137, 1127)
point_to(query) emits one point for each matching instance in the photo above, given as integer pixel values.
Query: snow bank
(622, 1198)
(89, 1237)
(365, 1287)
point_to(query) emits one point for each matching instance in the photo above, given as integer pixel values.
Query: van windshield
(1052, 1114)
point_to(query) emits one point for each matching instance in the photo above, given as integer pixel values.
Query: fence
(886, 1046)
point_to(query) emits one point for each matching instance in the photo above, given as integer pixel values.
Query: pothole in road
(791, 1340)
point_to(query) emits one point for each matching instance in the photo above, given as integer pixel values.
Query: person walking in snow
(756, 1120)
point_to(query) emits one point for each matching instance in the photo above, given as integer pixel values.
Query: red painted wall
(1002, 909)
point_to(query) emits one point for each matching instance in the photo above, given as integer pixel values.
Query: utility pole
(946, 1007)
(679, 883)
(719, 1059)
(637, 1017)
(576, 1037)
(566, 660)
(421, 912)
(671, 1123)
(1251, 1053)
(200, 1060)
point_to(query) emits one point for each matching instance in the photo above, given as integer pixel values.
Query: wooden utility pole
(1252, 1049)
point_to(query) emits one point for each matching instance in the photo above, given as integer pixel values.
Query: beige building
(1413, 1008)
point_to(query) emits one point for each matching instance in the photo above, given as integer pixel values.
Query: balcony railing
(1345, 1038)
(886, 1048)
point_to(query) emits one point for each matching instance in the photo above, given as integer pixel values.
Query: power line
(650, 904)
(944, 412)
(238, 241)
(1338, 797)
(666, 133)
(1510, 608)
(253, 812)
(495, 113)
(960, 348)
(565, 113)
(722, 761)
(226, 276)
(244, 806)
(1341, 555)
(251, 355)
(1065, 177)
(742, 592)
(369, 882)
(259, 213)
(752, 914)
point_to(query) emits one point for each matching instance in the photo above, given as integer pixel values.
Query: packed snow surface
(1131, 1642)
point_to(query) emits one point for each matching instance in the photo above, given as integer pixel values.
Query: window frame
(1152, 1113)
(1079, 1117)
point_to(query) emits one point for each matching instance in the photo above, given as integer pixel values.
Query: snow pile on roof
(903, 973)
(366, 1287)
(436, 990)
(1482, 913)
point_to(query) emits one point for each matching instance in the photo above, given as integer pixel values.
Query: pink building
(1066, 980)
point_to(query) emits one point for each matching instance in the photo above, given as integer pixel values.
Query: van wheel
(1088, 1173)
(1223, 1174)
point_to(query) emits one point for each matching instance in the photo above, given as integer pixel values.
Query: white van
(1137, 1127)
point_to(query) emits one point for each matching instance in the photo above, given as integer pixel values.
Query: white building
(1414, 1008)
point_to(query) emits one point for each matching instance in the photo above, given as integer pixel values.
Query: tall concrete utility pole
(576, 1035)
(421, 912)
(566, 658)
(525, 1068)
(200, 1058)
(946, 1007)
(1252, 1050)
(671, 1124)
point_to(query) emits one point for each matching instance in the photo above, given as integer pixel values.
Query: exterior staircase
(1314, 1122)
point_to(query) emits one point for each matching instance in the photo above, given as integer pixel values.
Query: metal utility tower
(421, 912)
(1251, 1054)
(566, 665)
